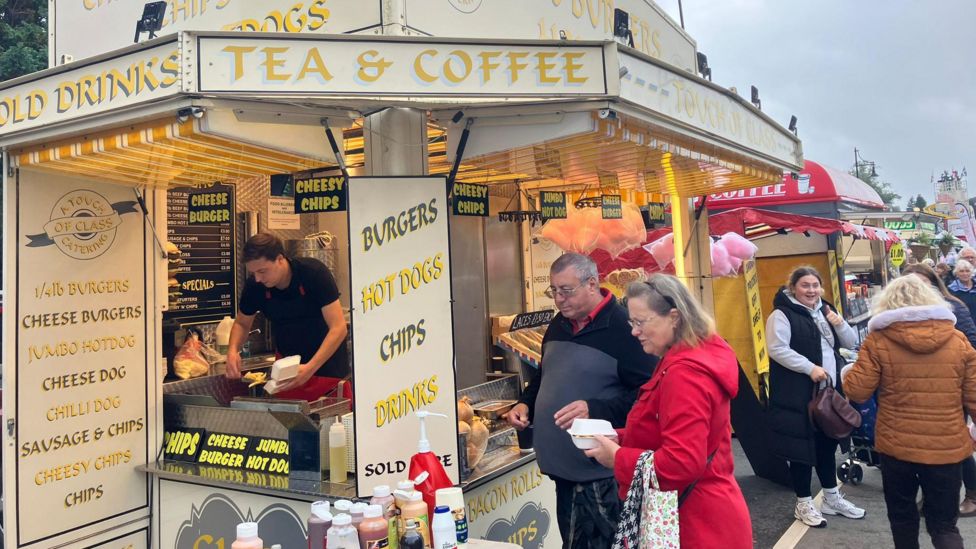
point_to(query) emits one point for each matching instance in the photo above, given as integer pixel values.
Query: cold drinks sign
(402, 320)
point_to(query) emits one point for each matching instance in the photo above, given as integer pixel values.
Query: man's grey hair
(585, 267)
(966, 250)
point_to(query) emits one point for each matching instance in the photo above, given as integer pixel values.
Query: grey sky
(896, 79)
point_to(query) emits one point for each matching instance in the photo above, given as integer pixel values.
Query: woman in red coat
(682, 414)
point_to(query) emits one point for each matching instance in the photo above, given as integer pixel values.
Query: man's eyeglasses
(552, 291)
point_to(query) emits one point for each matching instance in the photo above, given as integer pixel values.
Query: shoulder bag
(831, 413)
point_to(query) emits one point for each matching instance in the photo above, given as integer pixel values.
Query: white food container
(285, 368)
(584, 432)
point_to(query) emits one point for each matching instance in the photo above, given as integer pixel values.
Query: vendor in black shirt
(300, 299)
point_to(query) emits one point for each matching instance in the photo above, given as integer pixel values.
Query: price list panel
(202, 281)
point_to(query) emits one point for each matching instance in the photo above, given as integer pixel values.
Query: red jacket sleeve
(687, 398)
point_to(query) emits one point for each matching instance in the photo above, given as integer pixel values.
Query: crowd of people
(655, 368)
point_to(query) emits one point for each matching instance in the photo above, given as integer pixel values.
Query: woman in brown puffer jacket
(924, 371)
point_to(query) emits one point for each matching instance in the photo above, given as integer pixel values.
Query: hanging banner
(552, 205)
(402, 320)
(755, 316)
(469, 199)
(81, 404)
(840, 300)
(320, 194)
(612, 207)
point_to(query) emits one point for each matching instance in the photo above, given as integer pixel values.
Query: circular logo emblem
(83, 224)
(466, 6)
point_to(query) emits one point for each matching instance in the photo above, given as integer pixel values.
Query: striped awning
(164, 153)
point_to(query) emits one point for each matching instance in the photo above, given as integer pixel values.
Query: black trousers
(940, 488)
(587, 513)
(801, 473)
(969, 475)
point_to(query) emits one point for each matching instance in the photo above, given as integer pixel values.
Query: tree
(23, 37)
(917, 201)
(883, 188)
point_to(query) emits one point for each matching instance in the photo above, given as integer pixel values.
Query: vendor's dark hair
(263, 246)
(928, 273)
(800, 272)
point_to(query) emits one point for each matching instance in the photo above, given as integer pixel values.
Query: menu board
(202, 281)
(403, 322)
(81, 403)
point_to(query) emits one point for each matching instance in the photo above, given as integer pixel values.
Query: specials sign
(402, 317)
(81, 404)
(320, 66)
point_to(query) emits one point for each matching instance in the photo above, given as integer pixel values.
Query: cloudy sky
(895, 78)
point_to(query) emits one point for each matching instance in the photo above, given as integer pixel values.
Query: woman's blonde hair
(661, 293)
(907, 291)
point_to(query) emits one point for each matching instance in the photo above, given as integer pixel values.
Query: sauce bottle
(319, 523)
(247, 537)
(342, 535)
(337, 452)
(358, 512)
(453, 498)
(411, 538)
(342, 506)
(443, 529)
(416, 509)
(384, 498)
(374, 531)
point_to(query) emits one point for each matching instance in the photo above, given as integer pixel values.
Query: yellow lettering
(238, 52)
(271, 62)
(314, 64)
(367, 60)
(418, 67)
(546, 64)
(449, 68)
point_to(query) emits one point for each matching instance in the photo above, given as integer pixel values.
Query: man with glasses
(591, 368)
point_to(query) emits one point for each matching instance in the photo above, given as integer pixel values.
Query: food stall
(860, 253)
(187, 138)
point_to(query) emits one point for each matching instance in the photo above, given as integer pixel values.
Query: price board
(202, 280)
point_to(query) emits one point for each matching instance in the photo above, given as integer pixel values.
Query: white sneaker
(835, 504)
(806, 512)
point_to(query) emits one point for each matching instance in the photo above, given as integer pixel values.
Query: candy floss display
(727, 252)
(585, 230)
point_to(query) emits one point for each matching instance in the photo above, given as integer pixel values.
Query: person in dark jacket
(964, 323)
(804, 335)
(962, 287)
(591, 368)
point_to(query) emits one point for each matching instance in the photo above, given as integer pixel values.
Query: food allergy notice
(202, 281)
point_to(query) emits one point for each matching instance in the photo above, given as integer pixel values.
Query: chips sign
(612, 207)
(655, 211)
(897, 254)
(469, 199)
(320, 194)
(553, 205)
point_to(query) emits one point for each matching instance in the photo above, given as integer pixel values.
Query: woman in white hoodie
(804, 334)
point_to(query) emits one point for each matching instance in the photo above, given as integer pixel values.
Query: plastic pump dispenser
(425, 467)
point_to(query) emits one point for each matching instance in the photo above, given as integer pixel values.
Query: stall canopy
(816, 183)
(574, 114)
(750, 223)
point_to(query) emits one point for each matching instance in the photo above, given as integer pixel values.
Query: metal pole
(681, 14)
(857, 172)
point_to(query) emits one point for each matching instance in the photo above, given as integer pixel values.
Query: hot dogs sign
(403, 324)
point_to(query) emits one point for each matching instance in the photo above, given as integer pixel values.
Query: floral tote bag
(649, 519)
